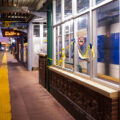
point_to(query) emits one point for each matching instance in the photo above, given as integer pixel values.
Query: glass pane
(58, 11)
(107, 42)
(99, 1)
(69, 45)
(36, 30)
(83, 60)
(68, 8)
(58, 45)
(82, 5)
(44, 30)
(44, 38)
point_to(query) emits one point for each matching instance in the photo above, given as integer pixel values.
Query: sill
(97, 87)
(108, 78)
(42, 54)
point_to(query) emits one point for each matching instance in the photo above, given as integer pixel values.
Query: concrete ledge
(42, 54)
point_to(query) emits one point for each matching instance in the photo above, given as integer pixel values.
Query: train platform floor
(28, 99)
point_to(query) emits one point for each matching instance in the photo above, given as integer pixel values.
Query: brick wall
(82, 102)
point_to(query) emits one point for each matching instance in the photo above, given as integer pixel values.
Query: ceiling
(19, 10)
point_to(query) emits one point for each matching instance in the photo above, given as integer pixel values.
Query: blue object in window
(114, 48)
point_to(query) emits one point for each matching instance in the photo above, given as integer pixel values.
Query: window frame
(34, 25)
(75, 15)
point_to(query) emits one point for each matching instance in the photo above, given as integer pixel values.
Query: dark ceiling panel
(31, 4)
(19, 10)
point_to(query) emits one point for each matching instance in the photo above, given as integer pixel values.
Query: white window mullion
(63, 46)
(91, 36)
(54, 45)
(74, 7)
(75, 45)
(95, 44)
(69, 42)
(58, 41)
(41, 34)
(62, 9)
(63, 38)
(54, 12)
(74, 12)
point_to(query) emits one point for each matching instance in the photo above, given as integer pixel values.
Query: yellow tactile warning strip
(5, 107)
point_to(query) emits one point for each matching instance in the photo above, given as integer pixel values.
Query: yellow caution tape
(45, 40)
(86, 55)
(80, 53)
(65, 48)
(93, 53)
(62, 59)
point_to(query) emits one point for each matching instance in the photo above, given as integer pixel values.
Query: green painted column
(49, 44)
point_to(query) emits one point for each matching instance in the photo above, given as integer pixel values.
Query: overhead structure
(19, 10)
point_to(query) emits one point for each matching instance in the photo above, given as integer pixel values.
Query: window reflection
(99, 1)
(68, 8)
(44, 30)
(108, 29)
(58, 11)
(58, 44)
(37, 30)
(106, 38)
(82, 5)
(82, 45)
(69, 45)
(44, 38)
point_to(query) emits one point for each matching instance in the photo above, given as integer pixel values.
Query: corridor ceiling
(19, 10)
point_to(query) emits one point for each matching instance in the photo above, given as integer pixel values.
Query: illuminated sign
(11, 33)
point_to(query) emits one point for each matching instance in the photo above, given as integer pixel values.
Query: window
(107, 42)
(37, 30)
(44, 38)
(44, 30)
(89, 41)
(58, 45)
(82, 5)
(83, 63)
(68, 8)
(69, 45)
(98, 1)
(58, 11)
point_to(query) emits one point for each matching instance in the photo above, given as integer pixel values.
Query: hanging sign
(81, 41)
(10, 33)
(7, 23)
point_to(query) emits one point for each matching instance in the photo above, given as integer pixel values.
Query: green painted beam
(49, 26)
(49, 44)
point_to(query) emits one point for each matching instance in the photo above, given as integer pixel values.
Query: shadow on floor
(14, 64)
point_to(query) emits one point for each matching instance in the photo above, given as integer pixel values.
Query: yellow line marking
(5, 107)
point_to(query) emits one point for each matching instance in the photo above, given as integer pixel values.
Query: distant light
(13, 40)
(14, 5)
